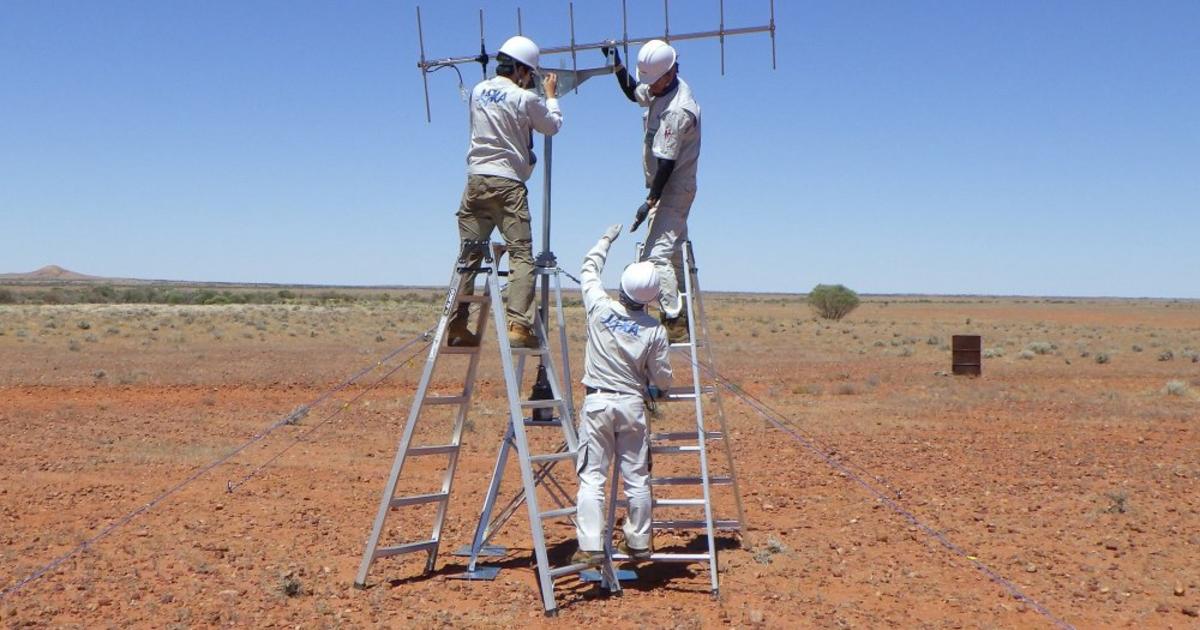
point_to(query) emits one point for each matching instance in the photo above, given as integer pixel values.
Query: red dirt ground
(1077, 481)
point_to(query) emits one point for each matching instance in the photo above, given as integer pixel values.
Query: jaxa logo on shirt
(615, 324)
(491, 96)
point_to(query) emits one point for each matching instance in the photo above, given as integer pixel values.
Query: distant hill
(49, 272)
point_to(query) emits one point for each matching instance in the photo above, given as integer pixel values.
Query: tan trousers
(490, 202)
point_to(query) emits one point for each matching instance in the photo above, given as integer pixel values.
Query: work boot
(633, 552)
(677, 328)
(521, 336)
(590, 558)
(459, 336)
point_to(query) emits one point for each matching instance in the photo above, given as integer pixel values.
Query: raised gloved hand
(606, 50)
(612, 232)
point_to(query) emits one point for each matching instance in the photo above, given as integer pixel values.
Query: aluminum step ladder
(702, 392)
(482, 257)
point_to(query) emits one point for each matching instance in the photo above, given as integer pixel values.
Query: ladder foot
(362, 586)
(553, 612)
(716, 594)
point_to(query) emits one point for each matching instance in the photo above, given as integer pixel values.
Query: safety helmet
(522, 49)
(640, 282)
(655, 59)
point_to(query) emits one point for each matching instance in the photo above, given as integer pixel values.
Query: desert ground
(1070, 469)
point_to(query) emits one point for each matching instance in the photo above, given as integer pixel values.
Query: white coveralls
(626, 352)
(672, 126)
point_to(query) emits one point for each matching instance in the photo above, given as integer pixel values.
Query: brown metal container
(966, 354)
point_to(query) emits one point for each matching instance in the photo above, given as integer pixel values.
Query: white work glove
(612, 232)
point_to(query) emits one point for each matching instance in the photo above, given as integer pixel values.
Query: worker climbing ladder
(488, 255)
(692, 442)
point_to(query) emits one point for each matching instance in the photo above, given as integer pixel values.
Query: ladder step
(694, 524)
(473, 299)
(686, 345)
(685, 435)
(417, 499)
(530, 352)
(567, 511)
(685, 393)
(435, 449)
(444, 400)
(459, 350)
(552, 457)
(669, 557)
(678, 502)
(689, 481)
(530, 422)
(541, 404)
(424, 545)
(667, 502)
(570, 569)
(674, 450)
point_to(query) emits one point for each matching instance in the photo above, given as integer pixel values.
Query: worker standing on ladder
(627, 359)
(670, 155)
(504, 113)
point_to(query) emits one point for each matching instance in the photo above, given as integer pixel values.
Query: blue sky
(1024, 147)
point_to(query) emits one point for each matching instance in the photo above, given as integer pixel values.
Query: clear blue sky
(1022, 147)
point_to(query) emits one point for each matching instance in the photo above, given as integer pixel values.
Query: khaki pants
(490, 202)
(664, 247)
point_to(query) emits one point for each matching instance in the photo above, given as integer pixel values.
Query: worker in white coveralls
(627, 360)
(670, 154)
(504, 113)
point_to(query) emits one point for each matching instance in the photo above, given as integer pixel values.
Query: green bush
(832, 301)
(7, 296)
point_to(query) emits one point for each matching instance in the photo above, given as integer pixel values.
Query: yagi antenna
(577, 76)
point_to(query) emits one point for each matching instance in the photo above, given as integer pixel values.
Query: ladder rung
(569, 570)
(695, 524)
(541, 404)
(530, 422)
(435, 449)
(444, 400)
(677, 502)
(567, 511)
(478, 299)
(674, 450)
(530, 352)
(686, 345)
(459, 350)
(416, 499)
(686, 435)
(424, 545)
(689, 481)
(552, 457)
(666, 502)
(668, 557)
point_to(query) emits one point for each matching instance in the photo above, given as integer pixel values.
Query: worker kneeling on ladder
(504, 114)
(627, 360)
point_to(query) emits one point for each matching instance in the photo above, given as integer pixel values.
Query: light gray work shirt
(626, 350)
(503, 118)
(672, 126)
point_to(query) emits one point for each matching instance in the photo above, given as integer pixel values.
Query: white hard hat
(522, 49)
(655, 59)
(640, 282)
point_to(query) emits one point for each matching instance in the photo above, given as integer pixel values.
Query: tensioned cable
(291, 418)
(230, 486)
(777, 419)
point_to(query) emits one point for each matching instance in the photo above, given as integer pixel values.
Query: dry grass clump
(1175, 388)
